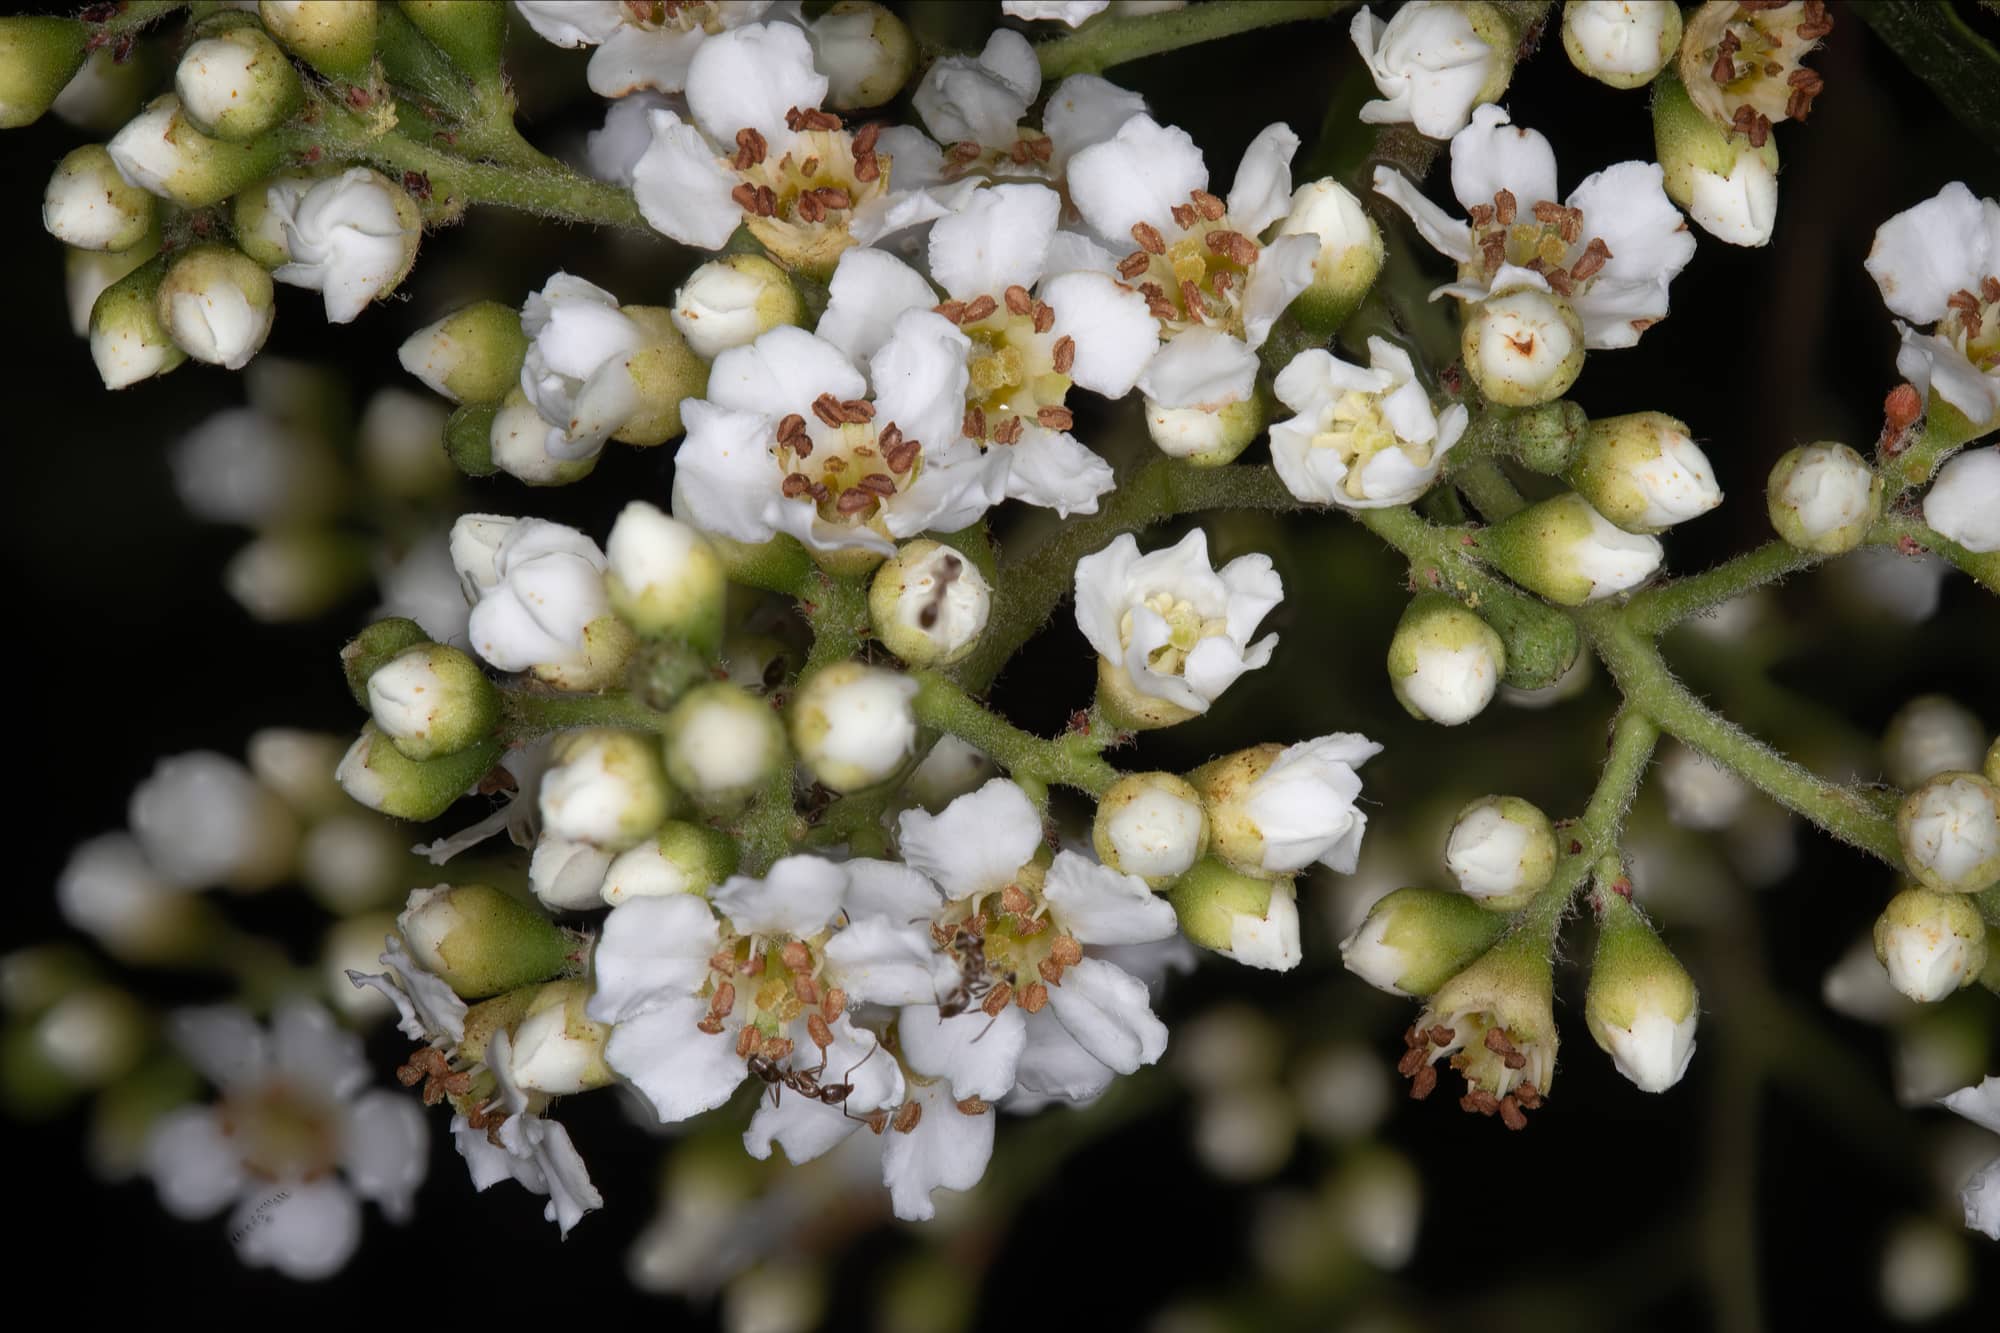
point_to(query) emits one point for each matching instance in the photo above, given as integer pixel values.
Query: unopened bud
(1641, 1005)
(128, 341)
(518, 444)
(556, 1049)
(1350, 255)
(1700, 793)
(1728, 187)
(1502, 851)
(1444, 662)
(1244, 918)
(204, 820)
(433, 700)
(335, 37)
(1623, 43)
(728, 302)
(1930, 943)
(92, 1036)
(951, 769)
(567, 876)
(665, 578)
(853, 725)
(351, 238)
(1963, 504)
(929, 604)
(353, 861)
(604, 787)
(472, 35)
(88, 274)
(401, 439)
(1276, 809)
(666, 372)
(1523, 345)
(379, 776)
(1206, 436)
(217, 303)
(38, 56)
(375, 647)
(1929, 735)
(237, 84)
(111, 892)
(470, 356)
(1151, 825)
(160, 150)
(1569, 553)
(722, 745)
(479, 941)
(354, 944)
(865, 51)
(289, 576)
(1823, 498)
(89, 205)
(680, 858)
(1643, 473)
(1950, 832)
(1415, 940)
(298, 766)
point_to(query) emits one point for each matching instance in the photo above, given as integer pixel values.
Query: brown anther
(809, 207)
(1440, 1035)
(816, 119)
(794, 485)
(834, 1004)
(1044, 317)
(1497, 1042)
(971, 1106)
(750, 148)
(979, 307)
(1413, 1059)
(1493, 249)
(865, 137)
(1528, 1095)
(1591, 260)
(745, 196)
(952, 310)
(1423, 1082)
(1065, 353)
(1233, 245)
(1065, 950)
(777, 1048)
(974, 425)
(879, 483)
(806, 989)
(1055, 418)
(1184, 215)
(1510, 1114)
(1018, 151)
(1816, 22)
(1799, 105)
(1034, 996)
(1560, 282)
(834, 466)
(713, 1025)
(1478, 1101)
(409, 1075)
(964, 151)
(901, 456)
(1041, 149)
(789, 426)
(907, 1116)
(1148, 238)
(853, 501)
(1191, 299)
(796, 956)
(724, 998)
(1514, 1060)
(1989, 287)
(457, 1085)
(1480, 214)
(1208, 205)
(1051, 971)
(1505, 207)
(1008, 431)
(866, 168)
(827, 408)
(819, 1030)
(809, 168)
(1019, 301)
(857, 411)
(997, 999)
(832, 197)
(1015, 901)
(1415, 1038)
(1724, 68)
(1546, 212)
(1132, 265)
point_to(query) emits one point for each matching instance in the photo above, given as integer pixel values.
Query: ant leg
(988, 1028)
(848, 1077)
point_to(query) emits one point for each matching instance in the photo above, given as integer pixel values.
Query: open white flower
(504, 1139)
(1609, 252)
(1431, 63)
(759, 152)
(983, 99)
(351, 238)
(295, 1143)
(577, 371)
(539, 589)
(1939, 264)
(791, 440)
(1170, 629)
(1362, 439)
(1305, 806)
(638, 46)
(1964, 502)
(1981, 1195)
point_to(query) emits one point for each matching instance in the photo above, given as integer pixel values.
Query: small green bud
(161, 150)
(1152, 825)
(1444, 662)
(1545, 437)
(379, 776)
(1542, 643)
(1246, 919)
(1569, 553)
(604, 787)
(298, 766)
(236, 84)
(88, 274)
(1729, 188)
(666, 372)
(217, 303)
(556, 1049)
(853, 725)
(1930, 944)
(1950, 832)
(479, 941)
(89, 205)
(929, 604)
(1502, 852)
(35, 977)
(471, 34)
(373, 648)
(38, 57)
(468, 438)
(128, 342)
(1351, 252)
(1643, 472)
(865, 51)
(472, 355)
(1641, 1006)
(728, 302)
(1415, 940)
(1523, 346)
(1206, 436)
(722, 745)
(1823, 498)
(292, 575)
(665, 578)
(1993, 763)
(335, 37)
(1621, 44)
(432, 700)
(680, 858)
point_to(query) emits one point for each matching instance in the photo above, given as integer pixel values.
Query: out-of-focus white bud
(298, 766)
(951, 769)
(217, 303)
(89, 205)
(432, 700)
(568, 876)
(865, 51)
(352, 862)
(1950, 831)
(1643, 473)
(1502, 851)
(204, 820)
(128, 340)
(728, 302)
(854, 725)
(1621, 42)
(1926, 1270)
(88, 273)
(472, 355)
(1378, 1197)
(294, 575)
(604, 787)
(1857, 987)
(556, 1049)
(1823, 498)
(245, 466)
(1245, 918)
(92, 1036)
(1641, 1005)
(1929, 735)
(1151, 825)
(1728, 187)
(479, 941)
(664, 577)
(1964, 501)
(1523, 344)
(161, 151)
(335, 37)
(1570, 553)
(680, 858)
(1415, 940)
(1245, 1133)
(722, 744)
(237, 84)
(929, 604)
(354, 944)
(1700, 793)
(1350, 251)
(351, 238)
(1930, 943)
(1342, 1091)
(110, 892)
(1444, 661)
(401, 436)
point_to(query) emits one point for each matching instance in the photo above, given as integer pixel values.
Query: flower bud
(1444, 662)
(217, 303)
(1277, 809)
(1823, 498)
(38, 56)
(1151, 825)
(556, 1049)
(604, 787)
(1205, 436)
(351, 237)
(479, 941)
(353, 861)
(1641, 1005)
(1434, 62)
(298, 766)
(865, 51)
(854, 725)
(1950, 831)
(664, 578)
(728, 302)
(1350, 252)
(517, 443)
(929, 604)
(1623, 43)
(472, 355)
(335, 37)
(106, 92)
(1415, 940)
(1930, 943)
(89, 205)
(111, 892)
(472, 35)
(1523, 345)
(92, 1036)
(160, 150)
(680, 858)
(237, 84)
(1643, 472)
(1929, 735)
(373, 648)
(432, 700)
(1569, 553)
(257, 215)
(1502, 852)
(1728, 187)
(666, 372)
(401, 439)
(1964, 501)
(128, 341)
(567, 876)
(722, 745)
(88, 274)
(379, 776)
(1700, 793)
(1246, 919)
(204, 820)
(284, 577)
(949, 771)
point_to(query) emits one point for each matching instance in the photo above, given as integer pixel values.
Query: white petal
(573, 22)
(868, 291)
(782, 372)
(680, 187)
(1052, 469)
(564, 1177)
(223, 1042)
(1925, 254)
(1964, 501)
(977, 844)
(679, 1069)
(804, 1128)
(920, 377)
(1262, 191)
(889, 889)
(879, 961)
(1137, 175)
(635, 57)
(1445, 233)
(726, 479)
(797, 897)
(1203, 368)
(1103, 587)
(1980, 1105)
(385, 1150)
(980, 100)
(1981, 1199)
(954, 489)
(1099, 905)
(1493, 154)
(313, 1052)
(1935, 365)
(1075, 252)
(1115, 334)
(653, 950)
(1053, 1064)
(305, 1231)
(195, 1167)
(750, 77)
(998, 240)
(1283, 271)
(946, 1150)
(977, 1054)
(1083, 110)
(1108, 1012)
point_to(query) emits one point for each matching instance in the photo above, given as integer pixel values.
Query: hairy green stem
(1109, 41)
(1069, 761)
(1659, 609)
(1906, 532)
(836, 610)
(527, 713)
(772, 825)
(1489, 489)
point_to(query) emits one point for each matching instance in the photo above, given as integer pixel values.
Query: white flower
(427, 1010)
(1621, 42)
(110, 892)
(1981, 1196)
(1500, 848)
(1430, 64)
(981, 100)
(1964, 501)
(509, 1143)
(204, 820)
(544, 585)
(1152, 825)
(1362, 439)
(296, 1143)
(1609, 252)
(638, 46)
(853, 725)
(1939, 264)
(577, 371)
(1824, 497)
(351, 237)
(1072, 12)
(1304, 806)
(1176, 630)
(611, 151)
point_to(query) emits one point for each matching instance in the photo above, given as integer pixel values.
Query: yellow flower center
(281, 1133)
(1186, 627)
(1356, 431)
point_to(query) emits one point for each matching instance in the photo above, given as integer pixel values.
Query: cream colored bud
(217, 304)
(472, 355)
(1502, 851)
(853, 725)
(1950, 832)
(664, 577)
(1152, 825)
(722, 744)
(89, 205)
(865, 51)
(556, 1049)
(1350, 255)
(1204, 436)
(432, 700)
(929, 604)
(1569, 553)
(1930, 944)
(604, 787)
(128, 340)
(160, 150)
(1823, 498)
(1445, 662)
(1929, 735)
(729, 302)
(1623, 43)
(1643, 472)
(680, 858)
(237, 84)
(479, 941)
(1523, 346)
(335, 37)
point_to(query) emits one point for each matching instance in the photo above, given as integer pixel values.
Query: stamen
(796, 957)
(1149, 238)
(1132, 265)
(1019, 302)
(1505, 207)
(971, 1106)
(1184, 215)
(1233, 244)
(750, 148)
(975, 424)
(1208, 205)
(1055, 418)
(1034, 996)
(1045, 317)
(820, 1032)
(1593, 258)
(1065, 352)
(827, 408)
(907, 1116)
(853, 501)
(979, 308)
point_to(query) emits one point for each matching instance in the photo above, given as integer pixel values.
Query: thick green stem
(772, 824)
(137, 14)
(1491, 493)
(527, 713)
(1070, 761)
(836, 610)
(1109, 41)
(1657, 610)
